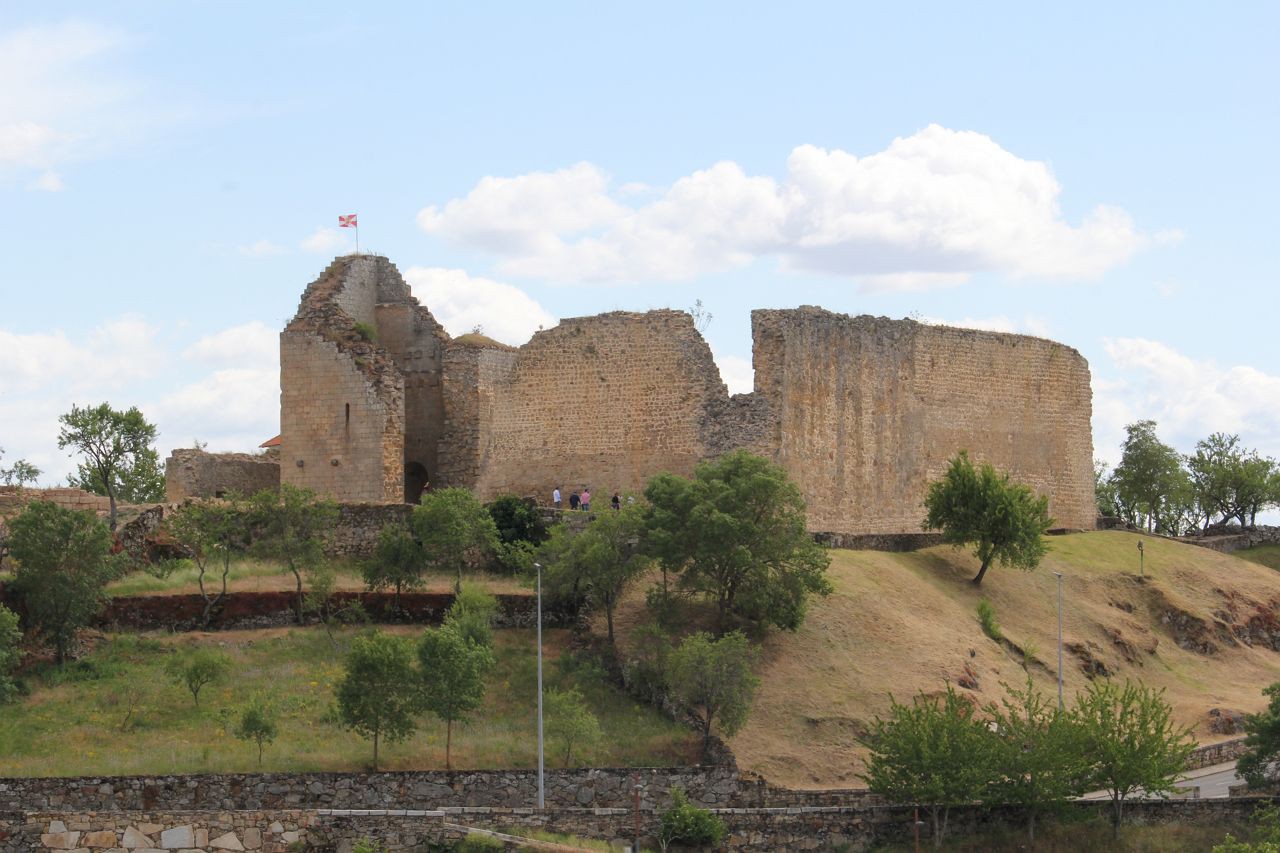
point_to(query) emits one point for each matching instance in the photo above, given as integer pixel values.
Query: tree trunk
(933, 818)
(259, 753)
(448, 744)
(982, 571)
(111, 501)
(608, 618)
(1031, 827)
(706, 736)
(375, 751)
(1117, 810)
(297, 605)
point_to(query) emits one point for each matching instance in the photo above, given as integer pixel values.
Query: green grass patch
(1075, 833)
(116, 712)
(987, 619)
(1263, 555)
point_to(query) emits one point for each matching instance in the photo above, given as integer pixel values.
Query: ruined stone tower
(863, 412)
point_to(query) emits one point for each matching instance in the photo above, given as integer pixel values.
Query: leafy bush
(517, 519)
(10, 653)
(258, 724)
(472, 614)
(367, 332)
(686, 824)
(987, 618)
(197, 668)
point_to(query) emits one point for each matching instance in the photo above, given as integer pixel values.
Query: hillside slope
(904, 623)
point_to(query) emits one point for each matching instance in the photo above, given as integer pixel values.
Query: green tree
(119, 461)
(290, 526)
(1004, 521)
(454, 530)
(711, 680)
(64, 563)
(570, 722)
(736, 533)
(258, 724)
(10, 653)
(599, 561)
(197, 668)
(472, 614)
(935, 752)
(1104, 490)
(1131, 741)
(1149, 472)
(452, 672)
(1038, 753)
(378, 695)
(686, 824)
(19, 473)
(1262, 741)
(517, 519)
(214, 532)
(1266, 834)
(397, 562)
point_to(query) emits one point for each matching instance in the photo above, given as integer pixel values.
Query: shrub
(366, 845)
(258, 724)
(197, 668)
(987, 618)
(367, 332)
(476, 843)
(472, 614)
(10, 653)
(684, 823)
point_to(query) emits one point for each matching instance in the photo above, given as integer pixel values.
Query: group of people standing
(581, 501)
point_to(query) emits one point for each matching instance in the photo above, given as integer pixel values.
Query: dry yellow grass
(903, 623)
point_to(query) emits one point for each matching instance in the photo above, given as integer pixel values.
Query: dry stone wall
(870, 410)
(193, 473)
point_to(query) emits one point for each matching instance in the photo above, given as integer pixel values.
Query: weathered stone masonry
(862, 412)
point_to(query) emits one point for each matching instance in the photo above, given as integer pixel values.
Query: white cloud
(50, 182)
(1188, 399)
(461, 302)
(64, 99)
(115, 353)
(261, 249)
(324, 240)
(251, 344)
(928, 211)
(233, 409)
(737, 373)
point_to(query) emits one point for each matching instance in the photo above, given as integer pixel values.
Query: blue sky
(172, 174)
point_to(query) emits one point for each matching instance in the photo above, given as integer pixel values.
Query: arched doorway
(415, 482)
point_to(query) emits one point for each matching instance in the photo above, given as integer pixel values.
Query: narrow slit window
(348, 412)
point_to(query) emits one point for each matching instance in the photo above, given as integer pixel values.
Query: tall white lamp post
(1059, 576)
(541, 785)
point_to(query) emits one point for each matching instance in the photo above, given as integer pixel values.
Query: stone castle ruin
(378, 403)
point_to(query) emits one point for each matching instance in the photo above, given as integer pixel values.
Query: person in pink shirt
(586, 499)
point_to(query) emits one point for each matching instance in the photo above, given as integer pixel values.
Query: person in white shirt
(555, 497)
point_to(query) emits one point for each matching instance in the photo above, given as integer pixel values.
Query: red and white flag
(348, 221)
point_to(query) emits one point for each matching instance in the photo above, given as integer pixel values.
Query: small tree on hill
(570, 722)
(195, 669)
(599, 561)
(711, 680)
(378, 695)
(453, 528)
(1262, 741)
(934, 752)
(64, 563)
(119, 461)
(19, 473)
(1039, 753)
(1131, 741)
(472, 614)
(977, 506)
(258, 724)
(1149, 474)
(736, 533)
(290, 526)
(452, 671)
(397, 562)
(10, 652)
(214, 532)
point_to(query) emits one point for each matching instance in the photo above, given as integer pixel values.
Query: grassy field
(250, 575)
(1072, 837)
(114, 712)
(1263, 555)
(907, 622)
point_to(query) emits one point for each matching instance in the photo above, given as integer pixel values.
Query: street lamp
(541, 784)
(1059, 576)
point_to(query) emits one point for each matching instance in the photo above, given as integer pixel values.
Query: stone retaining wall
(268, 609)
(1216, 753)
(594, 787)
(769, 829)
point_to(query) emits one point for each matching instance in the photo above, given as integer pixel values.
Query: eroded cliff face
(862, 412)
(870, 410)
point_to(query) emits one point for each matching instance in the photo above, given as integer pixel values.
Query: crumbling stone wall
(194, 473)
(604, 401)
(360, 402)
(869, 411)
(863, 412)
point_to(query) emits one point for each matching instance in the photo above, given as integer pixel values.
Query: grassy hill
(904, 623)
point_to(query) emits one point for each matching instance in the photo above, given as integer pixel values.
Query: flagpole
(357, 237)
